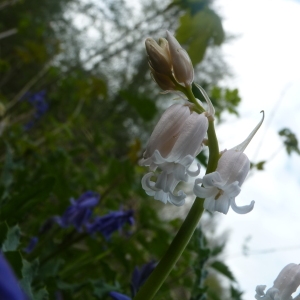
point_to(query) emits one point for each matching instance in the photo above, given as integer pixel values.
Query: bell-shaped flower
(182, 66)
(220, 188)
(284, 286)
(172, 147)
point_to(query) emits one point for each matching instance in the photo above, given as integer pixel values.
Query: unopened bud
(163, 81)
(182, 66)
(159, 55)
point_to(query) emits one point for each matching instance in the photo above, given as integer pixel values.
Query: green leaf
(12, 239)
(29, 271)
(18, 206)
(290, 141)
(223, 269)
(15, 260)
(144, 106)
(197, 32)
(7, 171)
(3, 232)
(100, 288)
(235, 293)
(41, 294)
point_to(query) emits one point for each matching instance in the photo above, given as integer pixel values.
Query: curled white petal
(241, 209)
(194, 173)
(220, 194)
(260, 290)
(163, 188)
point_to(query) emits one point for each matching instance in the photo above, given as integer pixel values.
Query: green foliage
(102, 107)
(200, 31)
(223, 269)
(12, 239)
(144, 106)
(258, 166)
(290, 141)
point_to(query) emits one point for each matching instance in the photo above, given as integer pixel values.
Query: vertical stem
(213, 147)
(183, 236)
(164, 267)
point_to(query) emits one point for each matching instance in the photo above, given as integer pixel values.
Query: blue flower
(79, 212)
(140, 275)
(111, 222)
(31, 245)
(118, 296)
(38, 101)
(9, 286)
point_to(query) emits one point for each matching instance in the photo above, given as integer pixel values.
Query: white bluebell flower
(284, 286)
(174, 144)
(220, 188)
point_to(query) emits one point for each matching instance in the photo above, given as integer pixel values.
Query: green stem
(188, 92)
(161, 272)
(164, 267)
(213, 147)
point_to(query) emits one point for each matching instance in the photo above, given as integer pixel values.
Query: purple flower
(38, 101)
(140, 275)
(111, 222)
(31, 245)
(118, 296)
(9, 286)
(79, 212)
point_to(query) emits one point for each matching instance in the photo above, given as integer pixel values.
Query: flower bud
(159, 56)
(288, 281)
(182, 66)
(163, 81)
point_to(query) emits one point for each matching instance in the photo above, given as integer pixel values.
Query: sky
(265, 60)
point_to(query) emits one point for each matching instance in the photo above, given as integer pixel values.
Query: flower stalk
(183, 236)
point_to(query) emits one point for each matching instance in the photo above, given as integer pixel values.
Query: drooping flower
(111, 222)
(284, 286)
(182, 66)
(9, 286)
(118, 296)
(140, 275)
(31, 245)
(80, 211)
(222, 186)
(176, 140)
(40, 105)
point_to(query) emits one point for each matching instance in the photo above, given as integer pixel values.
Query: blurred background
(77, 105)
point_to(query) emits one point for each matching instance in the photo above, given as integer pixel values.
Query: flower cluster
(284, 286)
(110, 223)
(180, 135)
(80, 211)
(38, 101)
(79, 215)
